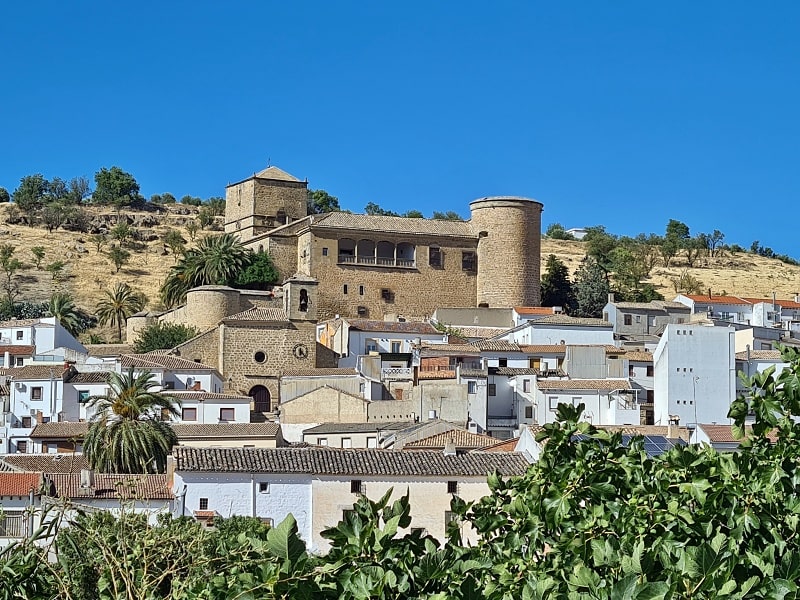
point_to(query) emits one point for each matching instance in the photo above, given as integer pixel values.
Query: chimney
(796, 297)
(673, 421)
(170, 471)
(611, 297)
(709, 292)
(450, 448)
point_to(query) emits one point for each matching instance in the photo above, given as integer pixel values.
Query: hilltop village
(397, 353)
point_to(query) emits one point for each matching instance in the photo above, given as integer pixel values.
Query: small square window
(626, 319)
(203, 503)
(355, 486)
(472, 387)
(19, 335)
(19, 361)
(27, 422)
(322, 441)
(649, 370)
(83, 396)
(435, 256)
(372, 442)
(36, 393)
(492, 389)
(22, 447)
(347, 442)
(528, 412)
(452, 487)
(526, 385)
(631, 371)
(449, 517)
(263, 487)
(189, 414)
(502, 362)
(469, 262)
(227, 414)
(396, 347)
(324, 252)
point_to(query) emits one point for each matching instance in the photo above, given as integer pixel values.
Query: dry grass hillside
(89, 272)
(739, 274)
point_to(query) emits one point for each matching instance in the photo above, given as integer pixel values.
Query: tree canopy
(162, 336)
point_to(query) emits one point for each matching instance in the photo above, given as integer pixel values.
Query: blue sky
(625, 114)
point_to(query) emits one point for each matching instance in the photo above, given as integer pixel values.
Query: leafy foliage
(320, 201)
(591, 289)
(160, 336)
(259, 274)
(117, 188)
(127, 433)
(556, 231)
(117, 305)
(556, 286)
(73, 319)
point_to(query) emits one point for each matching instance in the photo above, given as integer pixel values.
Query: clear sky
(624, 114)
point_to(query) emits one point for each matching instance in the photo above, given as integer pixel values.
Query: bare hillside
(89, 272)
(740, 274)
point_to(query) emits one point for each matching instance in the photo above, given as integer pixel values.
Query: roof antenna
(269, 160)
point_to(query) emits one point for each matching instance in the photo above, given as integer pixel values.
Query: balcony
(13, 526)
(397, 373)
(376, 261)
(501, 422)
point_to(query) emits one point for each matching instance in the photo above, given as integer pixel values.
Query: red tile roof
(443, 374)
(19, 484)
(16, 350)
(534, 310)
(134, 487)
(705, 299)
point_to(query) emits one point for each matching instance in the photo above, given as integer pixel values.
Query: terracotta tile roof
(205, 514)
(640, 356)
(37, 372)
(356, 427)
(571, 321)
(394, 225)
(311, 372)
(59, 430)
(108, 350)
(660, 305)
(543, 348)
(463, 440)
(276, 174)
(723, 434)
(90, 377)
(480, 332)
(443, 374)
(760, 355)
(44, 463)
(19, 484)
(393, 326)
(534, 310)
(190, 395)
(503, 446)
(583, 384)
(156, 361)
(781, 303)
(139, 487)
(17, 350)
(259, 314)
(4, 390)
(513, 371)
(448, 349)
(474, 373)
(705, 299)
(186, 431)
(659, 430)
(497, 346)
(331, 461)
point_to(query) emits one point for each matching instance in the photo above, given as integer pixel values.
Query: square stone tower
(266, 200)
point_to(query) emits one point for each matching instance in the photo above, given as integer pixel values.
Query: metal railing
(13, 526)
(397, 373)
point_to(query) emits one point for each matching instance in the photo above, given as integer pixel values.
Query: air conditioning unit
(189, 381)
(33, 412)
(19, 385)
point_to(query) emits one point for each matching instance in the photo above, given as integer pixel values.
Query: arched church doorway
(261, 398)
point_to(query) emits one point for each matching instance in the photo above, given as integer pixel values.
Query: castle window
(469, 262)
(303, 305)
(324, 252)
(405, 254)
(365, 252)
(344, 289)
(385, 254)
(387, 295)
(347, 251)
(260, 356)
(281, 217)
(435, 256)
(361, 290)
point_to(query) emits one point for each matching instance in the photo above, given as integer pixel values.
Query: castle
(391, 267)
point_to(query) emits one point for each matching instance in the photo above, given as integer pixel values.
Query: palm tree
(217, 260)
(118, 304)
(63, 308)
(127, 433)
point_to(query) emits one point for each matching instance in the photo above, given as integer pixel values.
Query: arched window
(385, 253)
(365, 252)
(347, 250)
(406, 254)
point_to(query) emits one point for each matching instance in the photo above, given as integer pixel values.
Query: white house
(562, 330)
(762, 312)
(20, 495)
(606, 401)
(174, 372)
(318, 486)
(207, 407)
(694, 374)
(44, 334)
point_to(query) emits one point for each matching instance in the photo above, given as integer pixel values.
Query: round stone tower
(509, 246)
(207, 305)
